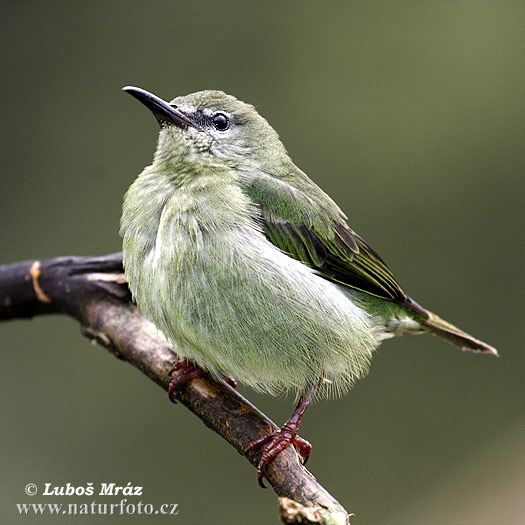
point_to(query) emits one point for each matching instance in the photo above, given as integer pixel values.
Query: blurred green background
(410, 114)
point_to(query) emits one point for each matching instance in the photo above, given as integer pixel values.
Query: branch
(94, 291)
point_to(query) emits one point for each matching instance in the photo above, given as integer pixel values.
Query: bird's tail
(455, 336)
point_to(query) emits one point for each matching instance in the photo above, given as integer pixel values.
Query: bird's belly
(237, 305)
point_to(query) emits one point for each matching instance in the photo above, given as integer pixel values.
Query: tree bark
(94, 291)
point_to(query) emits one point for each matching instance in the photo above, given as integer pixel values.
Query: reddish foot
(188, 370)
(275, 443)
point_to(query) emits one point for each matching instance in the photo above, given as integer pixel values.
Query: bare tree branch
(94, 291)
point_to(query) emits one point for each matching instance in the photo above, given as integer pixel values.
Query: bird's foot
(274, 443)
(187, 371)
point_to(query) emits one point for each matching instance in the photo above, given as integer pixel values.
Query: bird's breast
(233, 302)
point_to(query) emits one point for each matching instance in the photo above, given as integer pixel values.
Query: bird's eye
(220, 121)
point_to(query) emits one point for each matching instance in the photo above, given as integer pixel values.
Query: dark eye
(220, 121)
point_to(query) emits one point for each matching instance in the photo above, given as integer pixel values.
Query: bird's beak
(164, 113)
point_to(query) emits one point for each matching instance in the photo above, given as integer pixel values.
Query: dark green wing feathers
(310, 227)
(304, 222)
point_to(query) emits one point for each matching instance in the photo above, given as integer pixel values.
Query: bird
(250, 270)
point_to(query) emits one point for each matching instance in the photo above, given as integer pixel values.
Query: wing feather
(305, 223)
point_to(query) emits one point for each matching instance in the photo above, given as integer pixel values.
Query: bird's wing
(306, 224)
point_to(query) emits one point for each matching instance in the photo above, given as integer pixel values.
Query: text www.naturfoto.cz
(94, 508)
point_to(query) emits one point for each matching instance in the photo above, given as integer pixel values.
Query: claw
(303, 447)
(260, 478)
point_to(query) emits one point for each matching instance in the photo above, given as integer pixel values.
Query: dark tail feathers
(455, 336)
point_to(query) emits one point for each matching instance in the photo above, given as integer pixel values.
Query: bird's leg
(275, 442)
(188, 370)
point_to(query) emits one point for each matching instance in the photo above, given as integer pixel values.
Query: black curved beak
(164, 112)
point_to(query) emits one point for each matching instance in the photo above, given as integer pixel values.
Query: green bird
(250, 269)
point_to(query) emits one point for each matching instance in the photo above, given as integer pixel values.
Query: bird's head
(212, 128)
